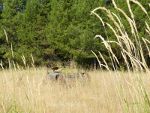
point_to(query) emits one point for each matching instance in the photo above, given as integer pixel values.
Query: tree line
(54, 30)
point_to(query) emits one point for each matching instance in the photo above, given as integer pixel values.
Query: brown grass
(26, 91)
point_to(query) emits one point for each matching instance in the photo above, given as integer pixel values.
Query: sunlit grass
(27, 91)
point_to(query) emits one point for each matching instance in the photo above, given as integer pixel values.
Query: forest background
(60, 31)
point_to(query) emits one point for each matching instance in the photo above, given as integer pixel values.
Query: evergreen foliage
(54, 30)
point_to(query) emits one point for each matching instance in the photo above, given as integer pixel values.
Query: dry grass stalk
(12, 52)
(33, 62)
(24, 60)
(6, 35)
(127, 47)
(1, 65)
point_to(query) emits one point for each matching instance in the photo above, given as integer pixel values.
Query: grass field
(27, 91)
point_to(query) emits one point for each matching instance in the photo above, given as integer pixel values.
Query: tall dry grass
(26, 91)
(129, 43)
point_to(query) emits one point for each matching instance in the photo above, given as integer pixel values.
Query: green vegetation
(60, 30)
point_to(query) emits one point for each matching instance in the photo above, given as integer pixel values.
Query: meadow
(125, 91)
(27, 91)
